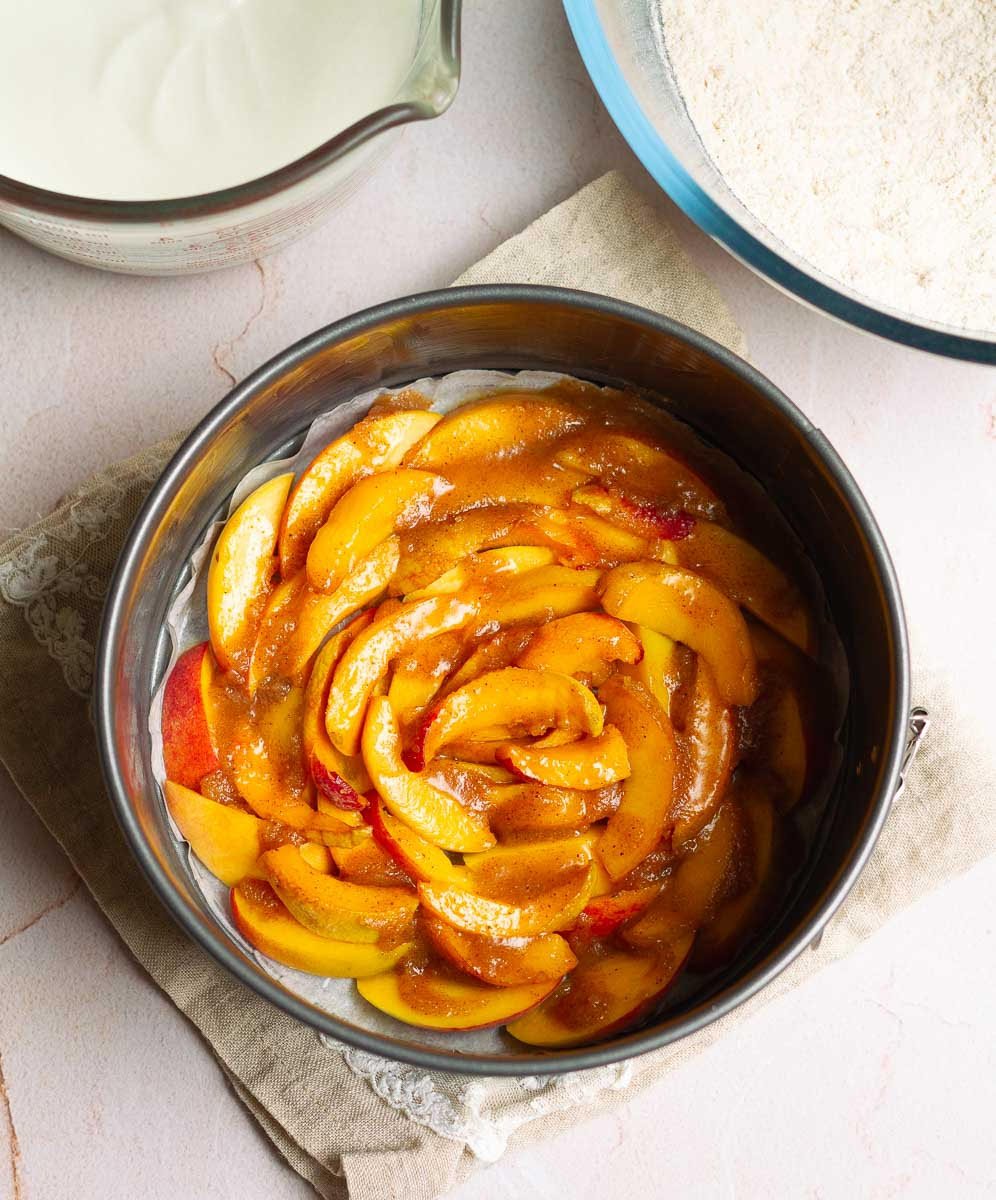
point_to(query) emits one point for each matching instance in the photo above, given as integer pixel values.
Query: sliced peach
(417, 857)
(584, 645)
(697, 886)
(368, 656)
(264, 755)
(583, 539)
(586, 765)
(436, 997)
(503, 560)
(539, 595)
(608, 992)
(688, 608)
(657, 669)
(435, 815)
(553, 909)
(367, 862)
(533, 808)
(266, 923)
(375, 444)
(533, 482)
(296, 624)
(240, 573)
(341, 779)
(657, 525)
(419, 674)
(603, 915)
(188, 742)
(333, 908)
(488, 428)
(515, 700)
(643, 817)
(638, 464)
(503, 962)
(502, 649)
(369, 513)
(706, 745)
(724, 934)
(437, 546)
(751, 579)
(526, 870)
(226, 840)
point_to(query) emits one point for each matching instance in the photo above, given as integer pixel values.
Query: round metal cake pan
(515, 327)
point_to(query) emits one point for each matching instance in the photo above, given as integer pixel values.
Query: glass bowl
(238, 224)
(618, 43)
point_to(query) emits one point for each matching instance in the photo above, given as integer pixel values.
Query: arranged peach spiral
(503, 714)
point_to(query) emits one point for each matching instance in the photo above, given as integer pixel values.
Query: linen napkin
(350, 1123)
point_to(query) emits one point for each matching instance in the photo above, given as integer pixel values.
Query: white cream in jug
(156, 99)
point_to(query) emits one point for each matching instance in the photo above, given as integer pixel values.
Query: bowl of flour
(846, 149)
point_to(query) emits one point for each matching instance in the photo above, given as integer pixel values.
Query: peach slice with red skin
(489, 427)
(555, 908)
(608, 992)
(585, 765)
(603, 915)
(436, 997)
(706, 745)
(332, 908)
(371, 511)
(644, 815)
(418, 858)
(584, 539)
(435, 815)
(266, 923)
(369, 863)
(650, 470)
(377, 443)
(188, 743)
(502, 962)
(514, 700)
(688, 608)
(240, 573)
(368, 656)
(656, 525)
(585, 645)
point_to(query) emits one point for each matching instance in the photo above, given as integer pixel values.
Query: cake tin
(245, 222)
(510, 327)
(619, 42)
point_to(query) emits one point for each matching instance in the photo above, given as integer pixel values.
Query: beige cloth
(348, 1123)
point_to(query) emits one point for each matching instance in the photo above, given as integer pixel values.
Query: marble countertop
(875, 1079)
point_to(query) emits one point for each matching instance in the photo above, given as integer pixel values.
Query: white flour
(862, 133)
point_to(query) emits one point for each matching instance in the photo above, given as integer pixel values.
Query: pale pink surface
(873, 1080)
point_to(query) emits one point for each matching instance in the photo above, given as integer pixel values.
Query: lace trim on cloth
(454, 1110)
(52, 579)
(46, 578)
